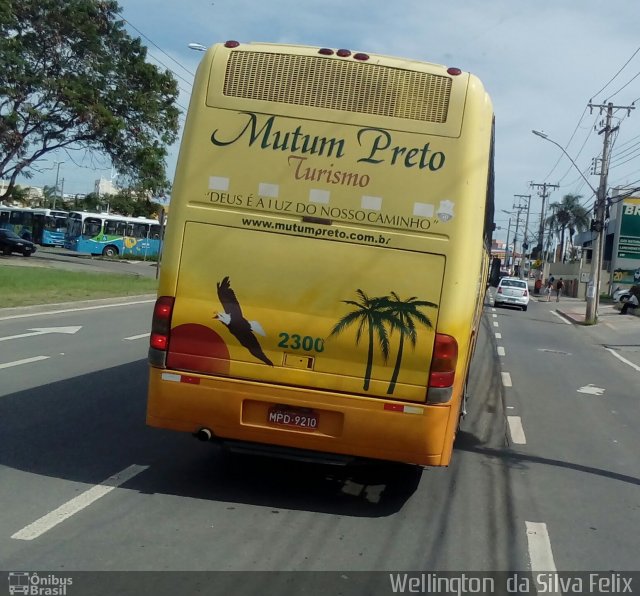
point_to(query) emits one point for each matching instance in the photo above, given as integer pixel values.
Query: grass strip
(24, 286)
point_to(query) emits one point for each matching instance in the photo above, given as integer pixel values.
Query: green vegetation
(22, 286)
(568, 215)
(74, 78)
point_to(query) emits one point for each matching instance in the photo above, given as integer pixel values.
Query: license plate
(299, 418)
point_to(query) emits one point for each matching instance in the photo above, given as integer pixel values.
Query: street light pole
(56, 188)
(591, 314)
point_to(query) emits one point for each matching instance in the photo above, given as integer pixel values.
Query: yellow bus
(326, 259)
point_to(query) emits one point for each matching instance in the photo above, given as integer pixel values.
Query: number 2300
(296, 342)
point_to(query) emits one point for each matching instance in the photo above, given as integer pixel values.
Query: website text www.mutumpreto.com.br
(316, 232)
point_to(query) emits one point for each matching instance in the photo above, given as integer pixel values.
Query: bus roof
(126, 218)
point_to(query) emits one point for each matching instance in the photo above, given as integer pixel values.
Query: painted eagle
(238, 326)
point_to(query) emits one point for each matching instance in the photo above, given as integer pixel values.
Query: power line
(582, 147)
(150, 54)
(615, 75)
(567, 145)
(624, 86)
(155, 45)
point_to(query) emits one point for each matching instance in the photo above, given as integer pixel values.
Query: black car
(11, 242)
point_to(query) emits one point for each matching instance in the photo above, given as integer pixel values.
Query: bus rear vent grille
(338, 85)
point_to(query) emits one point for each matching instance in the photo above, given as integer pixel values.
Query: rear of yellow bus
(324, 266)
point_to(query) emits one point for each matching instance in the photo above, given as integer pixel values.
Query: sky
(542, 62)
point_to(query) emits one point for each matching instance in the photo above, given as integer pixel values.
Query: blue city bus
(46, 227)
(113, 235)
(54, 226)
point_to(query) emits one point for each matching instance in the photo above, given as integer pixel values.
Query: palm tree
(49, 193)
(370, 315)
(569, 215)
(404, 312)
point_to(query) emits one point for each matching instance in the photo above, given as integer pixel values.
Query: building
(105, 186)
(34, 196)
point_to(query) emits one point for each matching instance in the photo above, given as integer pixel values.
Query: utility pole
(506, 247)
(525, 245)
(544, 195)
(598, 225)
(519, 208)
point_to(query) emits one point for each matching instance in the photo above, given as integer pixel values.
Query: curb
(7, 313)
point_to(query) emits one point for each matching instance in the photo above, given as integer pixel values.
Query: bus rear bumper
(242, 414)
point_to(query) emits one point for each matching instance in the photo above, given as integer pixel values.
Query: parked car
(512, 291)
(11, 242)
(621, 295)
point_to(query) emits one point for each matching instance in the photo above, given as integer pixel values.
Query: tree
(126, 202)
(49, 193)
(72, 78)
(92, 202)
(18, 194)
(569, 215)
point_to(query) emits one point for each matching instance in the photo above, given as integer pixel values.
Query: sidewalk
(575, 309)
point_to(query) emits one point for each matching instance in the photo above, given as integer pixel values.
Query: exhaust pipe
(204, 434)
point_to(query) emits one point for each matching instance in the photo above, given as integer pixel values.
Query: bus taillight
(443, 369)
(160, 329)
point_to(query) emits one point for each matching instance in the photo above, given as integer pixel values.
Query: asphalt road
(544, 476)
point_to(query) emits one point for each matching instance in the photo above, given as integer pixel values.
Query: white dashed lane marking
(77, 504)
(133, 337)
(23, 361)
(540, 553)
(516, 430)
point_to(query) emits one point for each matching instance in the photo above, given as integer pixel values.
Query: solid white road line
(23, 361)
(506, 379)
(516, 430)
(52, 519)
(56, 312)
(137, 336)
(553, 312)
(540, 553)
(622, 359)
(501, 351)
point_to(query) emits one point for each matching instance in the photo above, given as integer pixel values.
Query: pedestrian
(537, 286)
(633, 302)
(559, 287)
(548, 288)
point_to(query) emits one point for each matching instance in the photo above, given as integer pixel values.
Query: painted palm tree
(405, 315)
(568, 215)
(370, 315)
